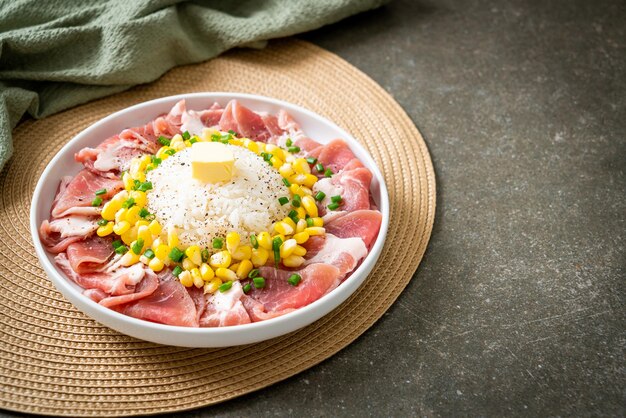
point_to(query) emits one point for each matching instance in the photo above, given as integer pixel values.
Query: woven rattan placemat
(56, 360)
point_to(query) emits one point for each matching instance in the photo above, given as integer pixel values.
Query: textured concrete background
(518, 305)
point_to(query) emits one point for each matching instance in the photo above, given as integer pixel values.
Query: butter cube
(211, 162)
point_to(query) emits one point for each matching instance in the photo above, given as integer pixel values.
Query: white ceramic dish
(63, 163)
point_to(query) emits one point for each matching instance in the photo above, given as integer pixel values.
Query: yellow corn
(162, 251)
(259, 256)
(129, 236)
(197, 278)
(315, 230)
(283, 228)
(206, 272)
(155, 227)
(253, 146)
(225, 274)
(301, 212)
(212, 286)
(281, 236)
(307, 190)
(220, 260)
(234, 267)
(187, 264)
(289, 158)
(276, 162)
(232, 241)
(142, 222)
(177, 143)
(318, 221)
(265, 241)
(156, 243)
(121, 227)
(105, 230)
(301, 225)
(275, 151)
(127, 179)
(162, 154)
(290, 222)
(300, 166)
(308, 181)
(156, 264)
(244, 268)
(194, 254)
(109, 209)
(301, 237)
(299, 250)
(296, 189)
(243, 252)
(132, 215)
(293, 261)
(185, 278)
(120, 215)
(129, 259)
(286, 170)
(309, 205)
(140, 197)
(287, 247)
(172, 238)
(144, 233)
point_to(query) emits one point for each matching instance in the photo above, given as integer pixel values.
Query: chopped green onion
(144, 212)
(136, 183)
(254, 241)
(253, 273)
(116, 243)
(309, 222)
(319, 167)
(218, 243)
(230, 131)
(176, 254)
(164, 141)
(102, 222)
(145, 186)
(319, 196)
(328, 172)
(156, 160)
(295, 202)
(336, 199)
(170, 152)
(101, 191)
(149, 254)
(128, 203)
(97, 201)
(122, 249)
(177, 270)
(276, 243)
(186, 135)
(247, 288)
(311, 160)
(259, 282)
(283, 200)
(294, 279)
(226, 286)
(289, 142)
(295, 219)
(286, 182)
(333, 206)
(292, 213)
(293, 149)
(193, 140)
(138, 246)
(205, 255)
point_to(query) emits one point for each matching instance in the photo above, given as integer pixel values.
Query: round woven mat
(56, 360)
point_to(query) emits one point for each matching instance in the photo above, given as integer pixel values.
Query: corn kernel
(234, 267)
(259, 256)
(187, 264)
(301, 166)
(155, 244)
(308, 181)
(129, 259)
(296, 189)
(127, 179)
(109, 209)
(286, 171)
(243, 252)
(172, 237)
(162, 153)
(309, 205)
(197, 278)
(155, 227)
(162, 251)
(253, 146)
(276, 162)
(140, 197)
(206, 272)
(129, 236)
(105, 230)
(225, 274)
(185, 278)
(299, 250)
(293, 261)
(121, 227)
(193, 253)
(144, 233)
(232, 241)
(142, 222)
(318, 221)
(306, 190)
(265, 241)
(301, 225)
(301, 212)
(120, 215)
(156, 264)
(212, 286)
(315, 231)
(283, 228)
(245, 267)
(290, 222)
(132, 215)
(301, 237)
(221, 259)
(177, 143)
(287, 247)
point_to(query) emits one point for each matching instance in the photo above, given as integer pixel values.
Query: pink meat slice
(356, 188)
(364, 224)
(199, 300)
(225, 309)
(169, 304)
(58, 234)
(244, 122)
(335, 155)
(278, 297)
(77, 196)
(144, 288)
(310, 147)
(89, 255)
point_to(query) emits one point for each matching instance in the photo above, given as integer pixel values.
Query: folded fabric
(58, 54)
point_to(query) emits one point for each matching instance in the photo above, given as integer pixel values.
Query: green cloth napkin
(58, 54)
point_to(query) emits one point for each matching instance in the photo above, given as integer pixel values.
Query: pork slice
(90, 255)
(244, 122)
(77, 196)
(58, 234)
(225, 309)
(143, 289)
(335, 155)
(364, 224)
(343, 253)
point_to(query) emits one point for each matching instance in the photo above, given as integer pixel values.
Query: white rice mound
(200, 212)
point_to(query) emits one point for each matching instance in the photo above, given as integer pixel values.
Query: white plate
(63, 164)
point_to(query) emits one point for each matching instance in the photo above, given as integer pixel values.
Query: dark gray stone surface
(518, 305)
